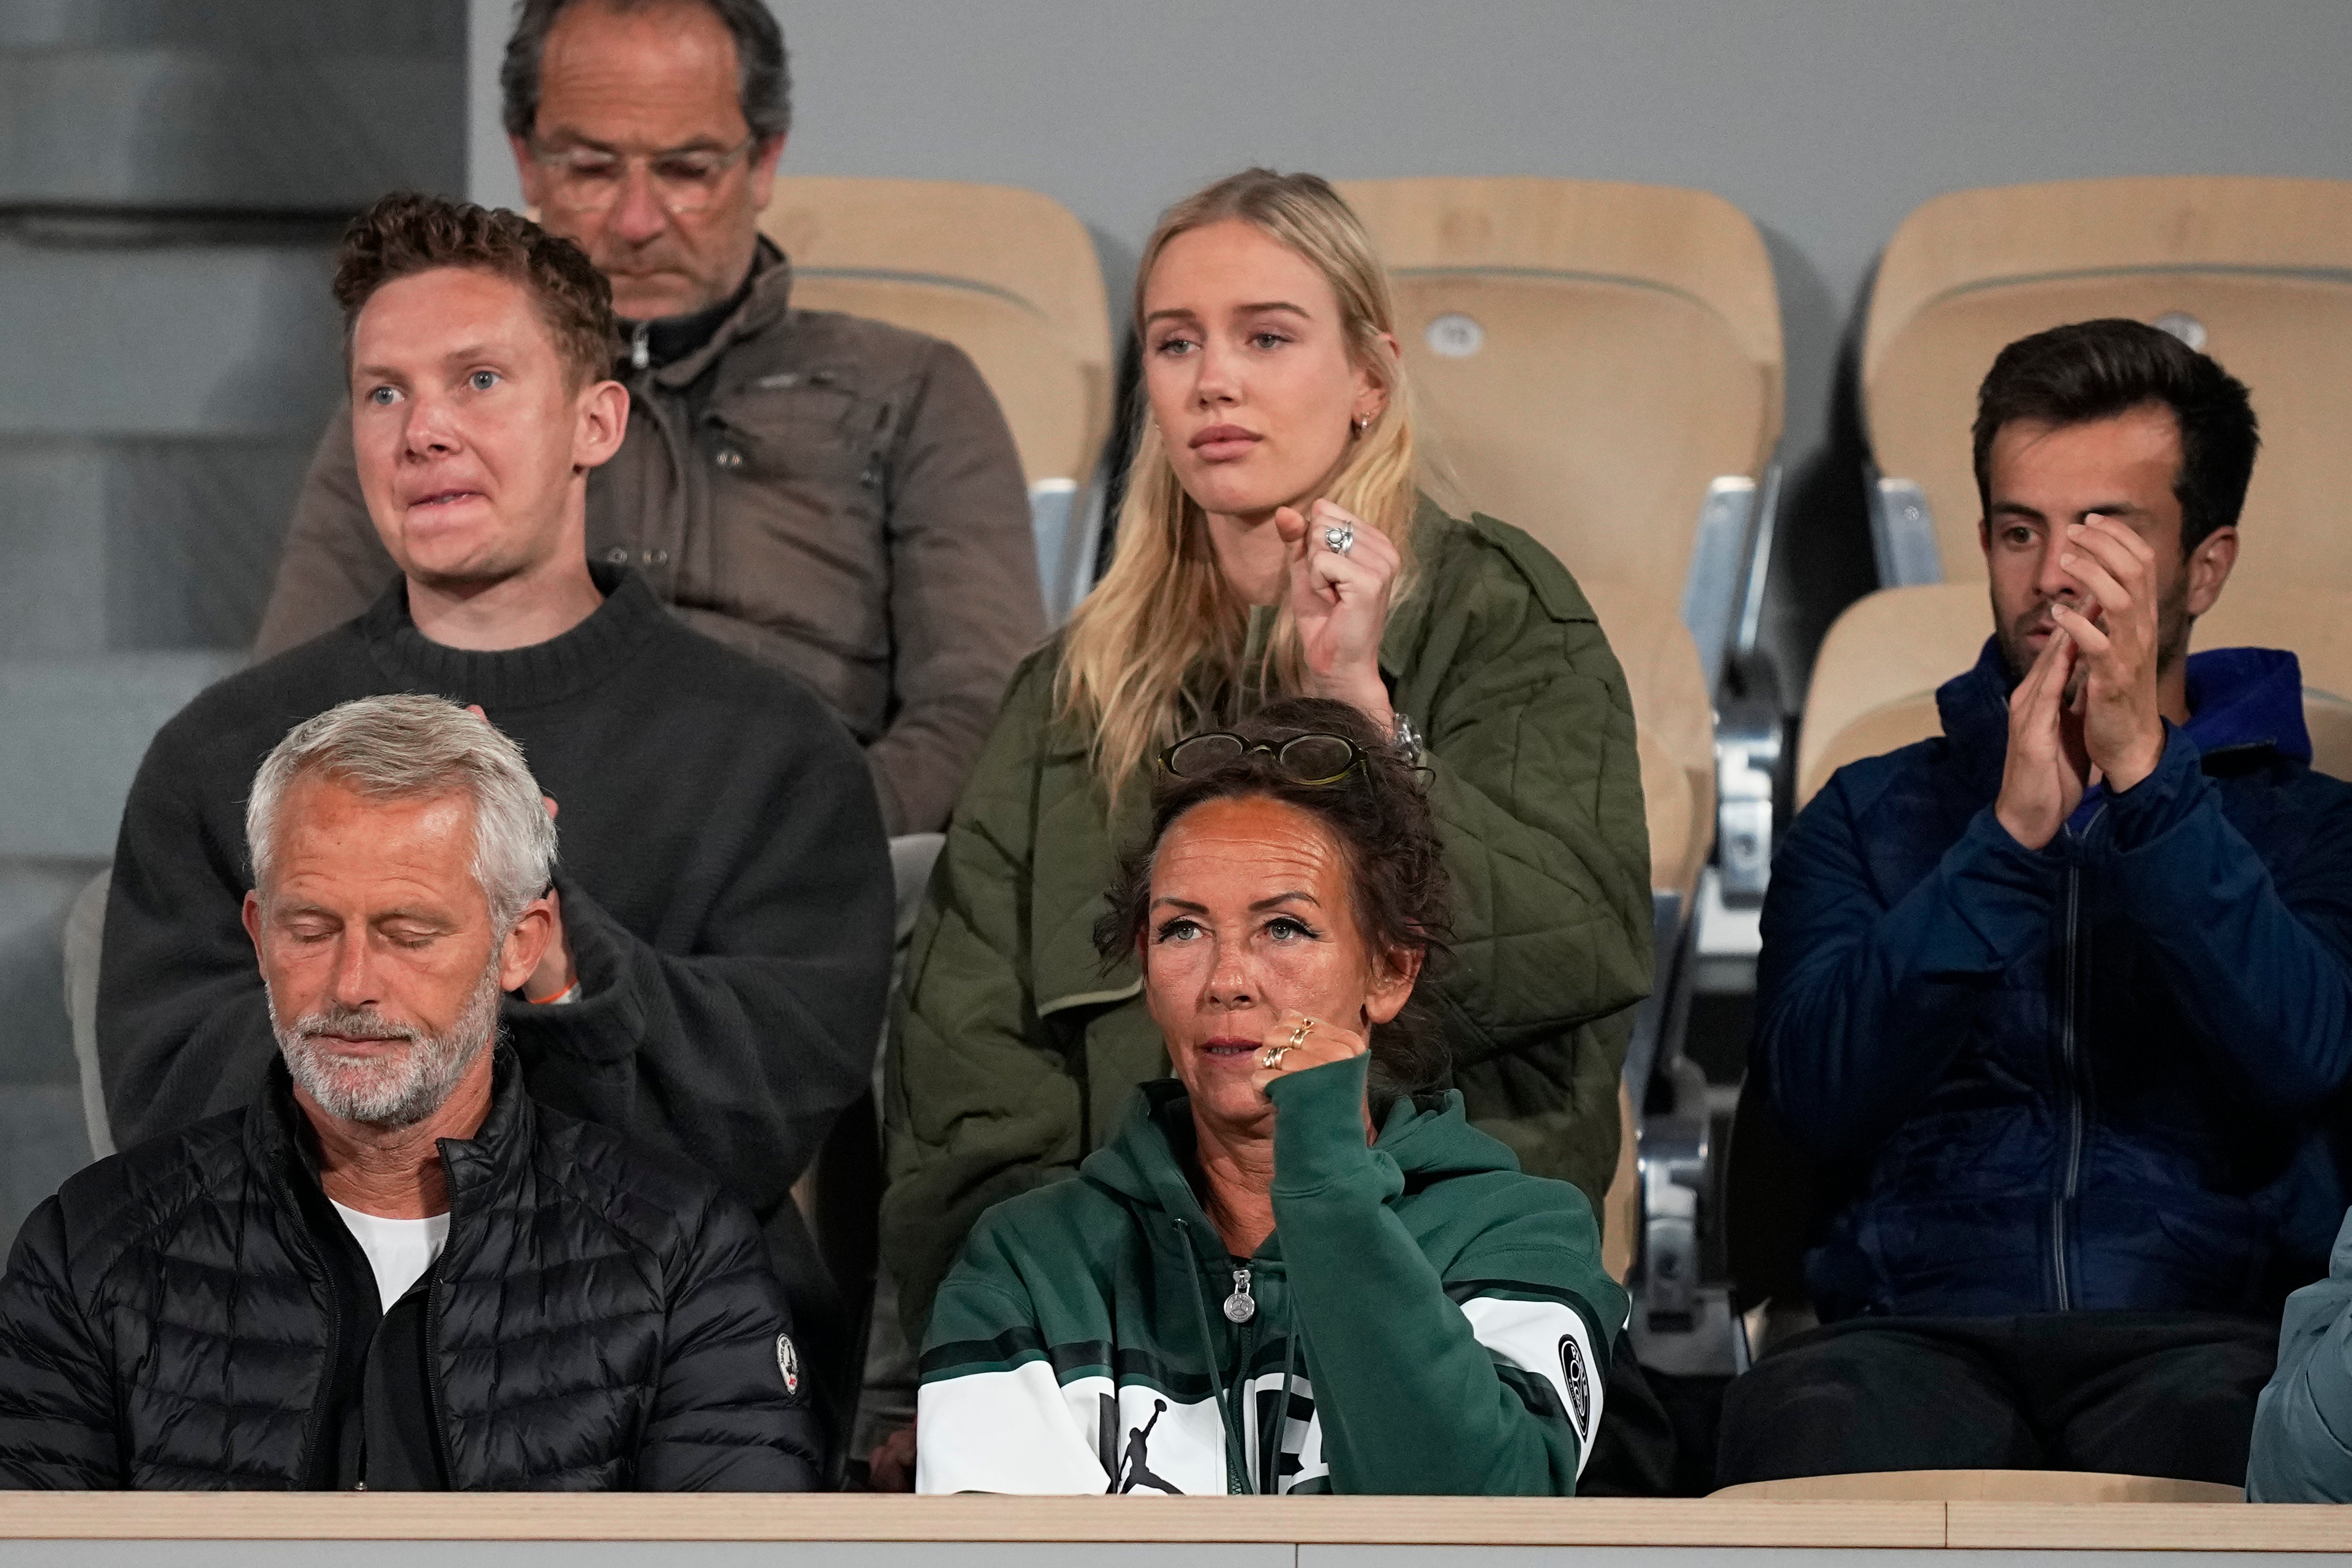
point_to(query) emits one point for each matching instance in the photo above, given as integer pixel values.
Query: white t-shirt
(399, 1250)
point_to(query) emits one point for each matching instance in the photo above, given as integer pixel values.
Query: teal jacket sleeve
(1484, 1382)
(2303, 1424)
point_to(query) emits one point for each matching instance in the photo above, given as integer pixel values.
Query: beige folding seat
(1010, 277)
(1674, 732)
(1874, 680)
(2255, 271)
(1599, 364)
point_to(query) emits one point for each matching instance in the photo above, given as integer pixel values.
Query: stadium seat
(1672, 727)
(1874, 680)
(1600, 364)
(2256, 271)
(1010, 277)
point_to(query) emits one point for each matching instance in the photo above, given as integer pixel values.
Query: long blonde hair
(1161, 638)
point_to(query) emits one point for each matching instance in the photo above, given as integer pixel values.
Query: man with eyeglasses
(835, 496)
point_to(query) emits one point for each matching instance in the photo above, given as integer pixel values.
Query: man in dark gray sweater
(716, 982)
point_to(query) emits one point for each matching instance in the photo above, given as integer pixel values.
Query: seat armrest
(1748, 739)
(1052, 519)
(1719, 551)
(1903, 533)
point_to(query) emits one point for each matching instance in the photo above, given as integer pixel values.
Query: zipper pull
(641, 353)
(1240, 1307)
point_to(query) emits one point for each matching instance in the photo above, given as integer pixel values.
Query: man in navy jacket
(2060, 998)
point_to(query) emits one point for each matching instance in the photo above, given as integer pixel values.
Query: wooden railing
(1469, 1521)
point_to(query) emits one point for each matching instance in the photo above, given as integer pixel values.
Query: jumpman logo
(1134, 1469)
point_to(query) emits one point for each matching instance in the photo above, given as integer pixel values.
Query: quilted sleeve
(731, 1412)
(977, 1104)
(57, 1396)
(2302, 1449)
(1537, 795)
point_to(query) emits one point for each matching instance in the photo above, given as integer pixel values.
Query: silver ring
(1339, 538)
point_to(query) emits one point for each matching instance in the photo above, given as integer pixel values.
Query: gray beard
(390, 1091)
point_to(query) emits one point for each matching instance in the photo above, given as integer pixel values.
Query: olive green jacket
(1014, 1050)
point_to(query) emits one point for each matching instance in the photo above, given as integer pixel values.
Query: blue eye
(1179, 930)
(1284, 928)
(483, 380)
(383, 396)
(1267, 340)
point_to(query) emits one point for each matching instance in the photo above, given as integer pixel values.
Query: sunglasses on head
(1309, 759)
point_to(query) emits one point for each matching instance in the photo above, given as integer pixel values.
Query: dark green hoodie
(1428, 1319)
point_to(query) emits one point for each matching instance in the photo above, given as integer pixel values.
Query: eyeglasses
(1309, 759)
(586, 180)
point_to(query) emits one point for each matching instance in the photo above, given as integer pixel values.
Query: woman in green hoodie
(1273, 542)
(1297, 1266)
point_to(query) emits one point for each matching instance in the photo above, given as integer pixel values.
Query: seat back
(1587, 356)
(2258, 272)
(1874, 680)
(1008, 276)
(1674, 727)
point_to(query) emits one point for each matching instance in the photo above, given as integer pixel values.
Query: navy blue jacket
(2089, 1076)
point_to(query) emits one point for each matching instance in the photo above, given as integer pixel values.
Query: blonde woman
(1274, 542)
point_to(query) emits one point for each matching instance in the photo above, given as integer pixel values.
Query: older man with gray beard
(439, 1284)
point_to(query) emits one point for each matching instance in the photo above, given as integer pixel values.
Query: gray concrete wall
(172, 179)
(1825, 119)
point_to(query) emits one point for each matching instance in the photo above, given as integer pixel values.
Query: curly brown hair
(1378, 815)
(406, 232)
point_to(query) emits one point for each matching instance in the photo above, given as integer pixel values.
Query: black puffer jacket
(602, 1317)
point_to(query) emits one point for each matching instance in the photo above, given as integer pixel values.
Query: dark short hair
(1379, 817)
(405, 233)
(2096, 370)
(763, 82)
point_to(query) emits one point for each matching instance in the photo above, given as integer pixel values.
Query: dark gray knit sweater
(726, 889)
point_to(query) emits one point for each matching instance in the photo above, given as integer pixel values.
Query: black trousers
(2143, 1393)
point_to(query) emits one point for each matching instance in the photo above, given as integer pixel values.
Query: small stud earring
(1360, 424)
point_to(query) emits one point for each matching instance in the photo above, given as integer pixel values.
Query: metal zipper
(641, 352)
(433, 1300)
(2068, 1051)
(316, 1424)
(1217, 1385)
(1243, 1404)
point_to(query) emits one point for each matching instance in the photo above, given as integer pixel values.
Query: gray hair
(764, 72)
(411, 747)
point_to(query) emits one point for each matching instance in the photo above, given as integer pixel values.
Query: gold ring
(1271, 1056)
(1298, 1034)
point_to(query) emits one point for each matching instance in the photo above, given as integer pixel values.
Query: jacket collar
(2239, 699)
(276, 1142)
(1149, 1160)
(766, 302)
